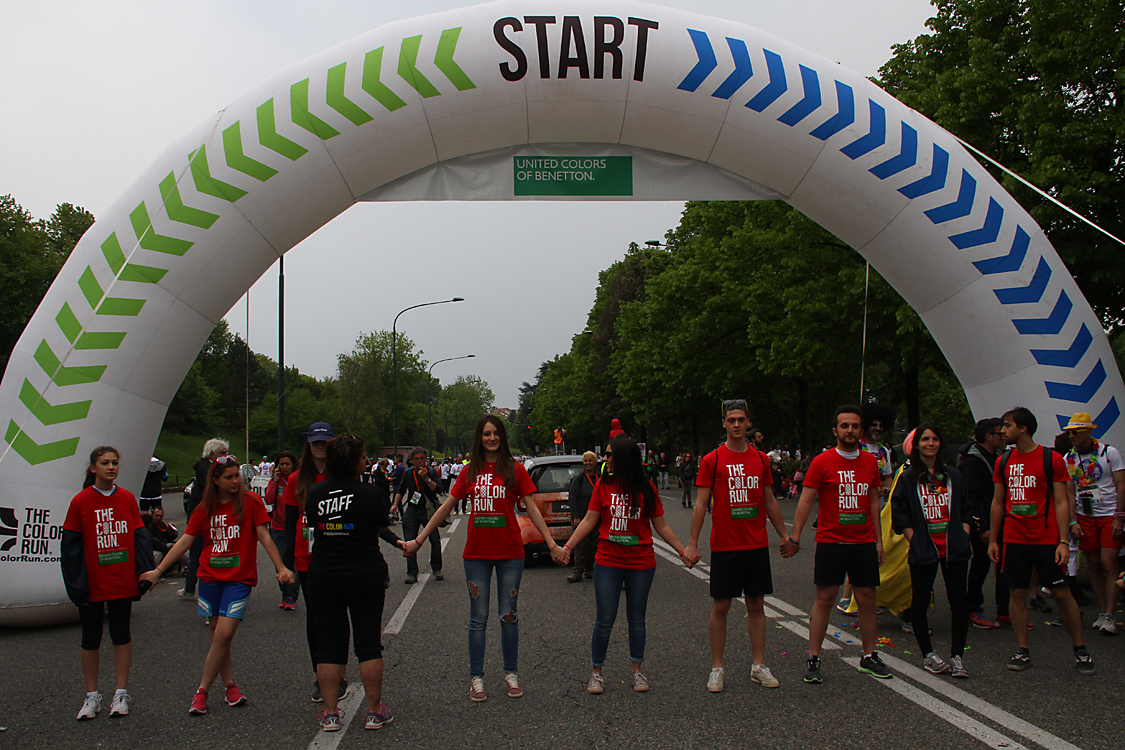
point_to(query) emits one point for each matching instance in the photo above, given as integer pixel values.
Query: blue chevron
(775, 88)
(845, 113)
(1066, 357)
(986, 234)
(811, 103)
(742, 72)
(1050, 325)
(907, 155)
(1033, 292)
(1082, 392)
(876, 134)
(939, 170)
(959, 208)
(1108, 417)
(1006, 263)
(707, 61)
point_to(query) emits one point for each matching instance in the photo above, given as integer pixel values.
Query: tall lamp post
(394, 367)
(429, 383)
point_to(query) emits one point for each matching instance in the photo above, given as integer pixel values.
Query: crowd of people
(1028, 511)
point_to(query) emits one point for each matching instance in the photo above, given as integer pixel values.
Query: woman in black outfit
(578, 498)
(688, 470)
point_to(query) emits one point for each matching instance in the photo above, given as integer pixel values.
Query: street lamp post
(429, 383)
(394, 367)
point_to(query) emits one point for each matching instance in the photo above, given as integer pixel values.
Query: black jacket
(202, 466)
(907, 513)
(976, 464)
(579, 494)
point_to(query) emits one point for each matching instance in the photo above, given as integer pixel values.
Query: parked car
(551, 475)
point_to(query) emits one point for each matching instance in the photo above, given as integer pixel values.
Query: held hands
(789, 547)
(560, 554)
(690, 556)
(1076, 530)
(409, 549)
(285, 575)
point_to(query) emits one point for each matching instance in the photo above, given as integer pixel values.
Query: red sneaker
(198, 703)
(980, 621)
(234, 695)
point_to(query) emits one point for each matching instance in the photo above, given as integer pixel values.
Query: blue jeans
(607, 594)
(413, 521)
(292, 590)
(478, 578)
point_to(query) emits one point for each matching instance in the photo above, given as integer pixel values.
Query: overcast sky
(93, 92)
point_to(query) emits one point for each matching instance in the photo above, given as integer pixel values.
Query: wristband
(1067, 543)
(1119, 515)
(794, 541)
(566, 547)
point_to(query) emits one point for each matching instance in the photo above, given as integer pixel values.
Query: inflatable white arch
(602, 100)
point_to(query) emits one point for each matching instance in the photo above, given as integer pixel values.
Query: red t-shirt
(738, 510)
(230, 546)
(843, 487)
(107, 524)
(935, 506)
(301, 557)
(1030, 506)
(625, 536)
(494, 533)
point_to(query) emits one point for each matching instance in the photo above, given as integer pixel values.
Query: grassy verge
(180, 452)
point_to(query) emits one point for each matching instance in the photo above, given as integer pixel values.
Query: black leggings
(336, 596)
(90, 615)
(922, 580)
(310, 620)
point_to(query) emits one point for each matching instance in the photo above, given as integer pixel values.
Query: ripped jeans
(478, 578)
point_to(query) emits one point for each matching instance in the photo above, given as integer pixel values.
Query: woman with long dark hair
(625, 509)
(492, 483)
(274, 498)
(931, 509)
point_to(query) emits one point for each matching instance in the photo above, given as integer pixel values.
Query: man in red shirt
(1030, 503)
(737, 477)
(847, 484)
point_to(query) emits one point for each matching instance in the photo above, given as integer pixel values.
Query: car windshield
(554, 478)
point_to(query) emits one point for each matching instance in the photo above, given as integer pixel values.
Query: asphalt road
(1048, 706)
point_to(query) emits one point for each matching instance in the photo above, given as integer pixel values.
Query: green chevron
(34, 453)
(68, 323)
(299, 112)
(372, 68)
(66, 375)
(407, 59)
(150, 240)
(48, 414)
(268, 135)
(444, 60)
(111, 249)
(238, 160)
(99, 340)
(94, 294)
(339, 101)
(177, 211)
(208, 185)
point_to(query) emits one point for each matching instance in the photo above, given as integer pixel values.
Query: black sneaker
(1019, 662)
(1039, 605)
(875, 667)
(316, 696)
(1084, 662)
(344, 690)
(812, 671)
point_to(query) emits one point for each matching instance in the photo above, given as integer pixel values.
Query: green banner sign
(573, 175)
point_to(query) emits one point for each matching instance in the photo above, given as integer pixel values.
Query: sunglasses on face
(1075, 433)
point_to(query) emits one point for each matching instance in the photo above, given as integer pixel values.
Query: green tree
(365, 389)
(461, 405)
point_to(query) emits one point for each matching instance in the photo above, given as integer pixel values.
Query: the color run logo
(29, 540)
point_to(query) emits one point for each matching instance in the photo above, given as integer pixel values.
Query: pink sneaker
(234, 695)
(198, 703)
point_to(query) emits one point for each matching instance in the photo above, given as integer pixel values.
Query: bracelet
(1119, 515)
(566, 547)
(794, 541)
(1067, 543)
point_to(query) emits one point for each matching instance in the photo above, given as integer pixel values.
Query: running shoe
(376, 719)
(234, 696)
(640, 684)
(1003, 621)
(1110, 627)
(843, 605)
(1019, 662)
(289, 604)
(715, 681)
(957, 667)
(411, 580)
(934, 664)
(185, 595)
(316, 696)
(978, 620)
(596, 685)
(763, 676)
(812, 671)
(1084, 662)
(438, 576)
(119, 706)
(282, 604)
(198, 703)
(90, 707)
(907, 627)
(344, 690)
(1038, 604)
(875, 667)
(330, 722)
(476, 690)
(512, 682)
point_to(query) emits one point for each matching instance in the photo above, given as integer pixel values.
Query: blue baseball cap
(319, 431)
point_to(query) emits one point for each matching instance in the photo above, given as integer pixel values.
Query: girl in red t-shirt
(492, 483)
(104, 547)
(625, 509)
(232, 523)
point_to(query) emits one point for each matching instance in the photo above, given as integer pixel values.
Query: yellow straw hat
(1081, 421)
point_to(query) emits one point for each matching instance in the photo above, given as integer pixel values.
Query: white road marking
(453, 526)
(394, 625)
(773, 601)
(959, 719)
(804, 633)
(982, 707)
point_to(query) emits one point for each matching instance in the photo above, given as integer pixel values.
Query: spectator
(152, 491)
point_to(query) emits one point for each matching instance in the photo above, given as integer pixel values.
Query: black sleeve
(572, 495)
(142, 551)
(970, 511)
(390, 537)
(291, 514)
(900, 506)
(73, 558)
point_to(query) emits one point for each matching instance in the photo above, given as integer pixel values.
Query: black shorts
(742, 571)
(338, 598)
(90, 615)
(1018, 560)
(859, 563)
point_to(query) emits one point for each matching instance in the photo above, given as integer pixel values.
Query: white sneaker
(715, 681)
(120, 705)
(476, 690)
(90, 707)
(763, 676)
(1109, 625)
(183, 594)
(935, 664)
(596, 686)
